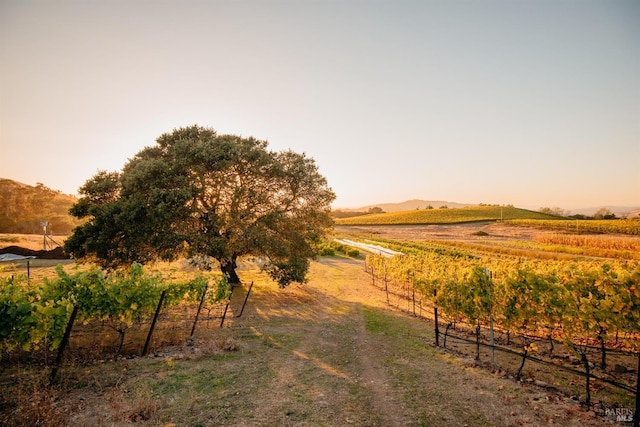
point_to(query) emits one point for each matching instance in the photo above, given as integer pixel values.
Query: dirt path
(395, 377)
(375, 378)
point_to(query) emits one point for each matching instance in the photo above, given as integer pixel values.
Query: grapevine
(34, 317)
(582, 301)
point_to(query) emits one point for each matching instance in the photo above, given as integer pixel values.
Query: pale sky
(526, 102)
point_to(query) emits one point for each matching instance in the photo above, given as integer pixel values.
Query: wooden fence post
(435, 315)
(63, 344)
(224, 315)
(204, 293)
(585, 362)
(245, 299)
(413, 297)
(386, 281)
(491, 338)
(636, 414)
(373, 276)
(478, 340)
(153, 324)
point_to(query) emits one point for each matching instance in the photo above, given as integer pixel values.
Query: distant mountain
(24, 207)
(409, 205)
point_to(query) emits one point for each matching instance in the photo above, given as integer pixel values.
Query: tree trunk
(228, 267)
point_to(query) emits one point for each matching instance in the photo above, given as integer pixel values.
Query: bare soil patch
(56, 253)
(29, 241)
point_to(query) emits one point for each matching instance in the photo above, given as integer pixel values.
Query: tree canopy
(206, 196)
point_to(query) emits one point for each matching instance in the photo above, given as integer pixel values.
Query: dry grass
(614, 242)
(33, 403)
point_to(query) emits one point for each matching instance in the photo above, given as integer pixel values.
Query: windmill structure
(47, 241)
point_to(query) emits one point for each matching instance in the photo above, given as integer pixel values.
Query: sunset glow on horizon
(531, 103)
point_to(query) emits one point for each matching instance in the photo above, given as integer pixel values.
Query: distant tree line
(23, 208)
(602, 213)
(431, 207)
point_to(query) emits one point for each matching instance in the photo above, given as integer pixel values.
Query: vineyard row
(583, 306)
(35, 317)
(576, 303)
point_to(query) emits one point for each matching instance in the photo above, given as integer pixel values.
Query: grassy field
(446, 216)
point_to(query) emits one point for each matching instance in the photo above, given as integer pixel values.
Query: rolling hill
(446, 216)
(23, 207)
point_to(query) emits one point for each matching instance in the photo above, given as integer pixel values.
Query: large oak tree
(206, 196)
